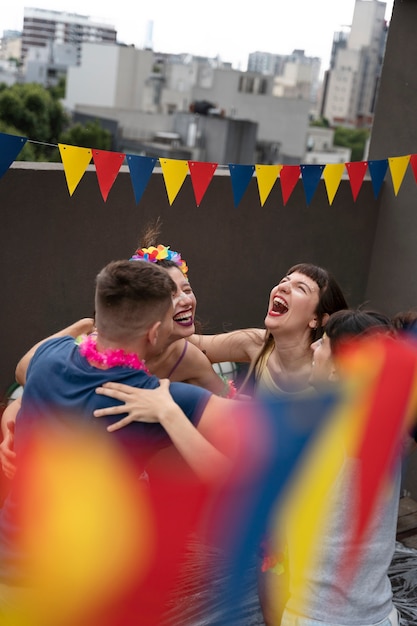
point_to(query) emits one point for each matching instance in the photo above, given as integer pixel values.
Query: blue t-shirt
(60, 394)
(60, 381)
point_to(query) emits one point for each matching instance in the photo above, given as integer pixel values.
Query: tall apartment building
(43, 27)
(266, 63)
(351, 84)
(296, 75)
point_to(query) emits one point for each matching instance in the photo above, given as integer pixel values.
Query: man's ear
(153, 333)
(334, 376)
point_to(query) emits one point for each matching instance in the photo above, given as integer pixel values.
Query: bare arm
(157, 405)
(82, 326)
(7, 454)
(238, 346)
(195, 368)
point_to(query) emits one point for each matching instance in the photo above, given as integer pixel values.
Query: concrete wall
(392, 283)
(53, 245)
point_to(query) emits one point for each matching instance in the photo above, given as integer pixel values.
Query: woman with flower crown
(181, 361)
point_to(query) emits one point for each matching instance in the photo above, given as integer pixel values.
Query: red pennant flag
(413, 162)
(201, 175)
(391, 405)
(289, 176)
(356, 171)
(107, 165)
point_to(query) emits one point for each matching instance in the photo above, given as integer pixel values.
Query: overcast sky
(228, 28)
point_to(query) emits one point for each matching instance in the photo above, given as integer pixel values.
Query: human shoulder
(237, 345)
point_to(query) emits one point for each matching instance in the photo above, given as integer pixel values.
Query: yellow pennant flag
(308, 506)
(75, 161)
(398, 167)
(266, 176)
(174, 172)
(332, 175)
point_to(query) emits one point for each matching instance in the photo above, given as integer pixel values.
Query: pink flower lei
(108, 358)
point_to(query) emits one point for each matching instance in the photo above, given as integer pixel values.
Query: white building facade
(352, 82)
(133, 86)
(42, 27)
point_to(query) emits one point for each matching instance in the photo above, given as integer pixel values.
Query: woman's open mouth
(279, 306)
(184, 318)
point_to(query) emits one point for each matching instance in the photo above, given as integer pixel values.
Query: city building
(46, 65)
(295, 75)
(43, 27)
(10, 47)
(351, 84)
(321, 149)
(147, 93)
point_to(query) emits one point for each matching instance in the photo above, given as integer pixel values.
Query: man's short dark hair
(130, 297)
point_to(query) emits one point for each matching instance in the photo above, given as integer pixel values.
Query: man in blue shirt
(133, 304)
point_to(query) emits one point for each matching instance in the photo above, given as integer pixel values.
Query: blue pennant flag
(377, 170)
(140, 168)
(311, 175)
(241, 176)
(10, 146)
(290, 425)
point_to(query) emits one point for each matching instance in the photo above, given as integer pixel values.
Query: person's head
(133, 300)
(184, 299)
(303, 300)
(341, 327)
(406, 321)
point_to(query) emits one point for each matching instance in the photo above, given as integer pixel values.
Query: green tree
(34, 113)
(89, 135)
(58, 91)
(352, 138)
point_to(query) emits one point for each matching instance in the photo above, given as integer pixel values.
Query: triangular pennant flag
(377, 170)
(332, 176)
(311, 175)
(75, 161)
(10, 146)
(140, 168)
(398, 167)
(241, 176)
(413, 163)
(289, 176)
(286, 432)
(201, 175)
(266, 176)
(356, 171)
(389, 400)
(174, 172)
(107, 165)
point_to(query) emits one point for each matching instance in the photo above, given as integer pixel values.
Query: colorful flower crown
(160, 253)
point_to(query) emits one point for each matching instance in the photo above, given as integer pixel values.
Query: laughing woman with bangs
(280, 355)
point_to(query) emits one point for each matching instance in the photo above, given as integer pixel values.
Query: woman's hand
(141, 405)
(7, 454)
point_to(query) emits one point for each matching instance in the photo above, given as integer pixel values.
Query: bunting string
(107, 164)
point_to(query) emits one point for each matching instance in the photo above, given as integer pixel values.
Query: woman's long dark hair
(331, 299)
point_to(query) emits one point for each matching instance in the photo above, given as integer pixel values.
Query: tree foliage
(88, 135)
(353, 138)
(35, 113)
(31, 111)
